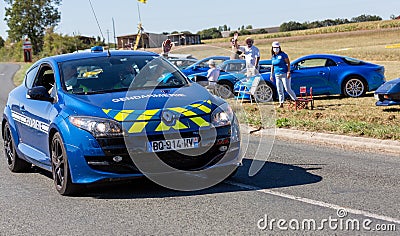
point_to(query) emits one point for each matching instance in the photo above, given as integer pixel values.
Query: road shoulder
(340, 141)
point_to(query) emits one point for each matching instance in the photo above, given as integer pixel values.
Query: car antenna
(98, 25)
(108, 51)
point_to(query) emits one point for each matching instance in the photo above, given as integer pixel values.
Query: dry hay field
(333, 114)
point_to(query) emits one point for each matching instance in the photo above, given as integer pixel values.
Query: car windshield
(119, 73)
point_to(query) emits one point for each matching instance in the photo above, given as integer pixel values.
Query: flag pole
(139, 35)
(140, 19)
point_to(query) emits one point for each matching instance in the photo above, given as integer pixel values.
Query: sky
(159, 16)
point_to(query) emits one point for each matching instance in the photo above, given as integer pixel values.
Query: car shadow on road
(273, 175)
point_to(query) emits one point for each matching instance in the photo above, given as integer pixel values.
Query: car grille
(190, 159)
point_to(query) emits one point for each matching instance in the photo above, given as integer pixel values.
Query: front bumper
(387, 99)
(217, 149)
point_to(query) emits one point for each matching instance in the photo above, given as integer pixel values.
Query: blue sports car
(388, 94)
(326, 74)
(231, 72)
(98, 116)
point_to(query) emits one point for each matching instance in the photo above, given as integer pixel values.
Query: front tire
(354, 87)
(14, 163)
(264, 93)
(60, 168)
(225, 90)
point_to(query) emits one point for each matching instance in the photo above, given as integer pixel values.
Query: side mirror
(39, 93)
(195, 68)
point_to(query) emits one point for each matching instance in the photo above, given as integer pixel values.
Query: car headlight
(222, 115)
(98, 127)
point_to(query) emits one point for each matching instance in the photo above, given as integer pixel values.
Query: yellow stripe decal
(179, 125)
(148, 114)
(137, 127)
(162, 127)
(121, 116)
(200, 121)
(106, 110)
(183, 111)
(202, 107)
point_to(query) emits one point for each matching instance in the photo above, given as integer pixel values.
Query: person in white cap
(251, 53)
(280, 70)
(212, 76)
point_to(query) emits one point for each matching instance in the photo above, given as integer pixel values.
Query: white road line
(315, 202)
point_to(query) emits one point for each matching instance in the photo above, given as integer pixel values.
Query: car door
(18, 114)
(36, 114)
(311, 73)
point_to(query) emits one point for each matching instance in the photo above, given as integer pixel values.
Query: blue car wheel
(15, 164)
(264, 93)
(354, 87)
(60, 168)
(225, 90)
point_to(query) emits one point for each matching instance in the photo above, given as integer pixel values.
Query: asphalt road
(298, 183)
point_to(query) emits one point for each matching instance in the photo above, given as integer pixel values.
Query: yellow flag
(142, 1)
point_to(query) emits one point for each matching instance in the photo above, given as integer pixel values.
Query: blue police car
(107, 115)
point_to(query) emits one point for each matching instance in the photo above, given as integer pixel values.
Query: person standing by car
(212, 76)
(281, 71)
(234, 47)
(252, 55)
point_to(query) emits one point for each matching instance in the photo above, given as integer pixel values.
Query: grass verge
(332, 114)
(20, 74)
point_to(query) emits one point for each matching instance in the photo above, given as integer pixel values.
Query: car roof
(82, 55)
(243, 61)
(322, 55)
(215, 58)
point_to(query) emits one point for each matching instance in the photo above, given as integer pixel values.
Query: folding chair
(250, 90)
(303, 101)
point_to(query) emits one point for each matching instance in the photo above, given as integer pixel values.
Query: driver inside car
(70, 74)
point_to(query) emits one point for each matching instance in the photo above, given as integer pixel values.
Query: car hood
(392, 86)
(124, 106)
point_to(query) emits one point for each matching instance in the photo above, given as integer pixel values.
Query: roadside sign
(27, 44)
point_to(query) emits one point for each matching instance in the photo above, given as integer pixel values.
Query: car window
(30, 77)
(202, 64)
(265, 68)
(235, 67)
(45, 77)
(352, 61)
(311, 63)
(119, 73)
(218, 62)
(330, 62)
(182, 63)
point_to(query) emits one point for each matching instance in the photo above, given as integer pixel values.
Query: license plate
(172, 144)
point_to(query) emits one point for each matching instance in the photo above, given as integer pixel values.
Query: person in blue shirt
(281, 72)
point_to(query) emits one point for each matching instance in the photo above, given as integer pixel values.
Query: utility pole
(115, 38)
(108, 38)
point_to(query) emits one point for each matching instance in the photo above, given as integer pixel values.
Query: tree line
(36, 20)
(293, 25)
